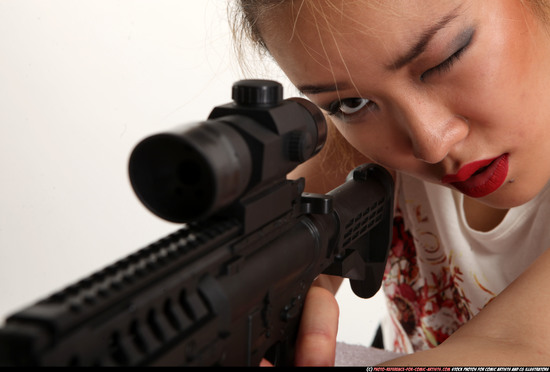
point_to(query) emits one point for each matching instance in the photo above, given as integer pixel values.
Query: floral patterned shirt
(440, 272)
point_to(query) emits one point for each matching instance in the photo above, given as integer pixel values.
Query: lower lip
(486, 182)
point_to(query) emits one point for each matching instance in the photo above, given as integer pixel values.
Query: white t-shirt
(441, 272)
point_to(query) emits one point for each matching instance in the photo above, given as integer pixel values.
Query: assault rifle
(228, 288)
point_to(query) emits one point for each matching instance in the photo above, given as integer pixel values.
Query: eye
(448, 63)
(348, 106)
(444, 66)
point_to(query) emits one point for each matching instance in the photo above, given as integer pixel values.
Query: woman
(450, 97)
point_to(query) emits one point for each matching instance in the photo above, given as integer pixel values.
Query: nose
(432, 129)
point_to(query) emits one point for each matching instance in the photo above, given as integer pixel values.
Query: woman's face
(452, 92)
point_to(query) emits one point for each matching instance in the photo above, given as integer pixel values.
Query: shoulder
(329, 169)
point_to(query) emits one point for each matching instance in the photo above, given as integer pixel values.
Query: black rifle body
(216, 292)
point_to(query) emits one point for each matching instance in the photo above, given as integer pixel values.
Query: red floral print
(429, 306)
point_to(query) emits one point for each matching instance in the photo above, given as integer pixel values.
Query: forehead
(331, 35)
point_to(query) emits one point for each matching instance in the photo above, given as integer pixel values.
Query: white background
(81, 82)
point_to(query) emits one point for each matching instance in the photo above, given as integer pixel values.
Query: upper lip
(467, 171)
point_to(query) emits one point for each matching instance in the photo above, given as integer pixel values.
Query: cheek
(378, 144)
(497, 107)
(359, 137)
(504, 76)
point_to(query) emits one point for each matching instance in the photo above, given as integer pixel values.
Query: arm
(512, 329)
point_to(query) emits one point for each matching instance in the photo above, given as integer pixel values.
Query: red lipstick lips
(480, 178)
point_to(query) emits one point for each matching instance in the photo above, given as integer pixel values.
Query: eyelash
(334, 108)
(446, 65)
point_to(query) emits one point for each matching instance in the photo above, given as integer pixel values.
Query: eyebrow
(323, 88)
(420, 46)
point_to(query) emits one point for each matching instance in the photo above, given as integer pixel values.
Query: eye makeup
(459, 45)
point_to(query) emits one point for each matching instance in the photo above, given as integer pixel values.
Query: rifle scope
(196, 170)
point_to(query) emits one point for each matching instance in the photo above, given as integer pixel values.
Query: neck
(481, 217)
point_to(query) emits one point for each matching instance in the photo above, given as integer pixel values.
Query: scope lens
(171, 178)
(188, 175)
